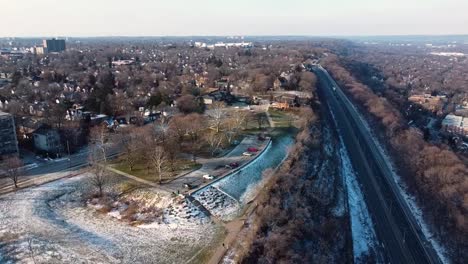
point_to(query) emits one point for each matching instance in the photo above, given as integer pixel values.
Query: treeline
(293, 221)
(413, 70)
(433, 173)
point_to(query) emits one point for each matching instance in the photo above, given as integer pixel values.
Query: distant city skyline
(87, 18)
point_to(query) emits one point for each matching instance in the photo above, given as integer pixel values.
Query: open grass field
(143, 171)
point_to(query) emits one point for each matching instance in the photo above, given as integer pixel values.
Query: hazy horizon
(106, 18)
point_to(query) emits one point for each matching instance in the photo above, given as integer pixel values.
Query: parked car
(252, 149)
(234, 165)
(188, 186)
(261, 136)
(208, 177)
(248, 154)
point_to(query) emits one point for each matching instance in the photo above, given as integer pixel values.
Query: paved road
(402, 240)
(77, 161)
(44, 170)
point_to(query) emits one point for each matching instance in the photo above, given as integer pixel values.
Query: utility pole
(69, 157)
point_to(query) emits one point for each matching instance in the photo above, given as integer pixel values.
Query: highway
(400, 236)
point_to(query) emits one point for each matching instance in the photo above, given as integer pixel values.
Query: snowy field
(52, 224)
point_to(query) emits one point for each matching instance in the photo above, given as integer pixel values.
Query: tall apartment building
(8, 141)
(54, 45)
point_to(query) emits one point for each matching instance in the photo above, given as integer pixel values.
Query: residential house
(207, 100)
(47, 140)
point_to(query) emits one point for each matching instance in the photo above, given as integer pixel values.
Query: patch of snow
(115, 214)
(218, 203)
(364, 237)
(61, 228)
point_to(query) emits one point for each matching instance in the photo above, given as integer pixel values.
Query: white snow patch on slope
(362, 228)
(63, 230)
(364, 237)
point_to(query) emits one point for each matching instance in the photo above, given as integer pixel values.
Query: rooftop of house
(4, 114)
(453, 120)
(44, 130)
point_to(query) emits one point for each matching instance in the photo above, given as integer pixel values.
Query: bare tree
(217, 113)
(99, 136)
(172, 150)
(179, 126)
(189, 104)
(161, 130)
(132, 146)
(12, 167)
(158, 159)
(98, 157)
(195, 125)
(214, 141)
(99, 177)
(234, 125)
(31, 250)
(261, 119)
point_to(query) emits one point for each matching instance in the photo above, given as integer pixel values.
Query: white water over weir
(224, 198)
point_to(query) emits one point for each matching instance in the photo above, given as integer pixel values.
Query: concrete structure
(223, 45)
(207, 100)
(123, 62)
(54, 45)
(39, 50)
(12, 54)
(8, 141)
(454, 124)
(47, 140)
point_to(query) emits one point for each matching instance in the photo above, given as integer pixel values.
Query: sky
(82, 18)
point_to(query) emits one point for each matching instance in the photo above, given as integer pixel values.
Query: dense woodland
(414, 70)
(437, 177)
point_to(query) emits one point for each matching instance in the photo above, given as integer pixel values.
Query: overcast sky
(231, 17)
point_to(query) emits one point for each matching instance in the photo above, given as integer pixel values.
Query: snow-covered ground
(218, 203)
(52, 224)
(362, 228)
